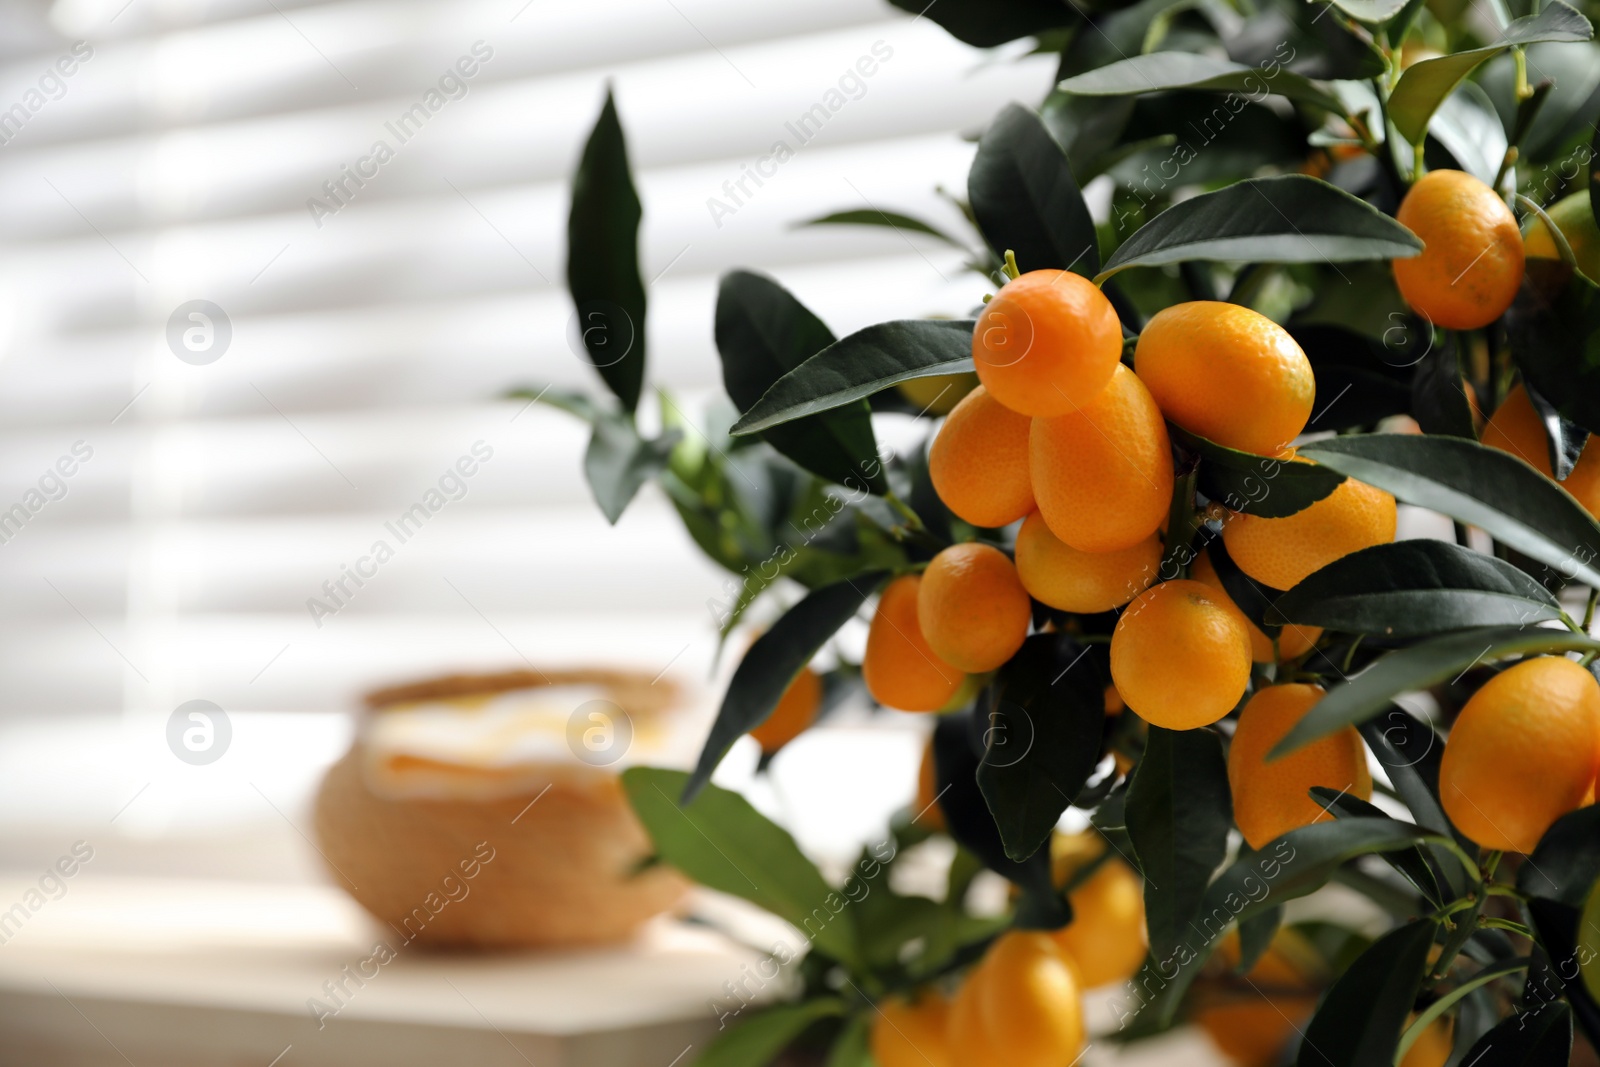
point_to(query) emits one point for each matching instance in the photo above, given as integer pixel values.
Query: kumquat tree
(1145, 565)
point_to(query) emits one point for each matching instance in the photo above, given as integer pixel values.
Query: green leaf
(850, 1047)
(955, 760)
(772, 663)
(618, 461)
(1417, 588)
(763, 333)
(1373, 11)
(603, 259)
(1179, 812)
(1541, 1038)
(1566, 862)
(1476, 485)
(1043, 739)
(1439, 396)
(1553, 326)
(1359, 379)
(1359, 1022)
(1164, 71)
(986, 23)
(1422, 666)
(1296, 864)
(1410, 862)
(1410, 752)
(758, 1040)
(1255, 937)
(1291, 218)
(861, 364)
(1566, 439)
(1025, 198)
(892, 219)
(1257, 485)
(1424, 86)
(721, 842)
(1468, 128)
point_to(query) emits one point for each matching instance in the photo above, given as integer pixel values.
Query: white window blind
(375, 318)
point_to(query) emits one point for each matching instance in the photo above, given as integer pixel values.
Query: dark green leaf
(769, 1030)
(1296, 864)
(774, 660)
(956, 752)
(1410, 862)
(1417, 588)
(1298, 36)
(1439, 395)
(618, 461)
(1359, 379)
(1541, 1038)
(1410, 752)
(1557, 926)
(1255, 936)
(1025, 198)
(1043, 741)
(721, 842)
(603, 259)
(1553, 326)
(1566, 863)
(1420, 666)
(1087, 128)
(763, 333)
(850, 1047)
(892, 219)
(1164, 71)
(861, 364)
(1359, 1022)
(1476, 485)
(1423, 86)
(986, 23)
(1566, 440)
(1179, 813)
(1256, 485)
(1291, 218)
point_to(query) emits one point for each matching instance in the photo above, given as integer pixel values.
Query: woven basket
(510, 872)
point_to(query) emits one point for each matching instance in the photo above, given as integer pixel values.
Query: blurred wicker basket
(549, 858)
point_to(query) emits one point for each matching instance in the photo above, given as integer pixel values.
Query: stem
(1350, 657)
(1517, 928)
(1455, 906)
(1588, 614)
(1521, 60)
(1444, 1003)
(1011, 270)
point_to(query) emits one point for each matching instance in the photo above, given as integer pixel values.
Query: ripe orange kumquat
(1020, 1006)
(1102, 476)
(972, 607)
(1046, 344)
(1057, 574)
(1522, 753)
(1228, 374)
(899, 669)
(1472, 260)
(979, 462)
(796, 710)
(1293, 641)
(1180, 655)
(1281, 553)
(1516, 428)
(1105, 942)
(912, 1033)
(1272, 798)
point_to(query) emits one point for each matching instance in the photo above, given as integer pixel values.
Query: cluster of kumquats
(1065, 438)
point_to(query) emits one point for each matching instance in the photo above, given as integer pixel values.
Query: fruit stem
(1588, 613)
(1011, 270)
(1521, 60)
